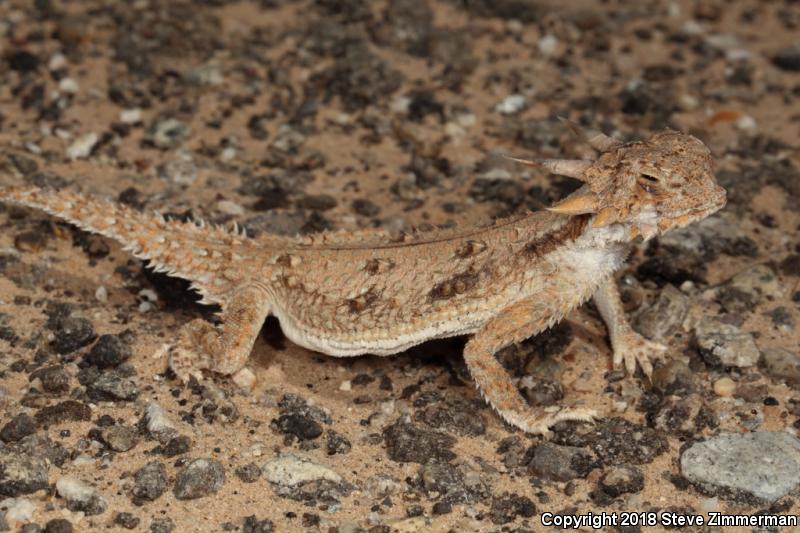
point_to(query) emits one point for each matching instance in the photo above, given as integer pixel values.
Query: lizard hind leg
(223, 349)
(513, 324)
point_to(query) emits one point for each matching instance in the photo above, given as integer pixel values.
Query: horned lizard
(366, 292)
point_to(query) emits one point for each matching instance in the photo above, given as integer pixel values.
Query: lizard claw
(634, 349)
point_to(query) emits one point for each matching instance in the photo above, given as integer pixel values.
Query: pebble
(120, 438)
(725, 344)
(782, 365)
(623, 479)
(724, 387)
(101, 294)
(57, 525)
(560, 463)
(248, 473)
(126, 520)
(665, 315)
(300, 426)
(547, 45)
(82, 147)
(18, 511)
(71, 334)
(17, 428)
(406, 443)
(80, 496)
(149, 482)
(199, 478)
(511, 105)
(68, 85)
(54, 379)
(765, 464)
(109, 351)
(288, 470)
(168, 133)
(158, 423)
(788, 58)
(110, 386)
(130, 116)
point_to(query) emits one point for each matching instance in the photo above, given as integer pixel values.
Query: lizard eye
(648, 183)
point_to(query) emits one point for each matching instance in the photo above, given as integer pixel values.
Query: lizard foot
(634, 349)
(187, 358)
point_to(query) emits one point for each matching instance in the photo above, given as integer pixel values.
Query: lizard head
(649, 187)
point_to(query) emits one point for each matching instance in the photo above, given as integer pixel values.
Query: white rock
(18, 511)
(289, 470)
(68, 85)
(101, 294)
(130, 116)
(511, 105)
(548, 44)
(57, 62)
(82, 146)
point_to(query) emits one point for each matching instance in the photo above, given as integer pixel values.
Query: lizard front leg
(222, 349)
(513, 324)
(626, 343)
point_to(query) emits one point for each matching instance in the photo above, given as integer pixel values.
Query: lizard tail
(199, 253)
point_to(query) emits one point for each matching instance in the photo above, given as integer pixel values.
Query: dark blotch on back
(470, 248)
(547, 243)
(362, 302)
(458, 284)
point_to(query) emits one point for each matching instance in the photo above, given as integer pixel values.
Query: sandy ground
(299, 117)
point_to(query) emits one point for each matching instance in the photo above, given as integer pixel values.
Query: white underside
(586, 263)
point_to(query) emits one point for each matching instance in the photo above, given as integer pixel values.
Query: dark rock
(366, 207)
(337, 444)
(109, 351)
(55, 379)
(359, 78)
(17, 428)
(111, 386)
(252, 524)
(456, 415)
(58, 525)
(560, 463)
(409, 444)
(72, 333)
(150, 482)
(22, 61)
(199, 478)
(788, 58)
(674, 377)
(622, 479)
(298, 425)
(665, 315)
(249, 473)
(162, 525)
(21, 473)
(126, 520)
(507, 507)
(616, 441)
(120, 438)
(66, 411)
(779, 364)
(174, 446)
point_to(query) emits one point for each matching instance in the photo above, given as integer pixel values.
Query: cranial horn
(573, 168)
(576, 205)
(596, 139)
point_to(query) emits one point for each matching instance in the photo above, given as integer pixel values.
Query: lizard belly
(581, 267)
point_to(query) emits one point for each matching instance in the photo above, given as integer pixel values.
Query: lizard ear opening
(576, 205)
(572, 168)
